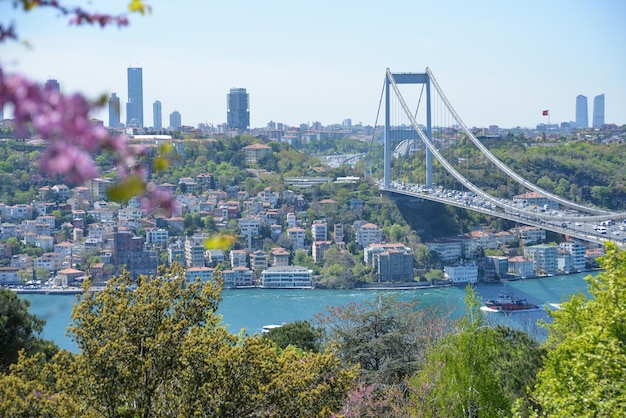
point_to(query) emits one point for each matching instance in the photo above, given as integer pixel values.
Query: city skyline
(298, 72)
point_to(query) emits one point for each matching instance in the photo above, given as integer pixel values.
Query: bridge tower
(407, 78)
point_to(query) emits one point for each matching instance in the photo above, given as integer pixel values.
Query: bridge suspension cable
(599, 213)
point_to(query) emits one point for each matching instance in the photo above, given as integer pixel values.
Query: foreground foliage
(585, 368)
(160, 350)
(479, 371)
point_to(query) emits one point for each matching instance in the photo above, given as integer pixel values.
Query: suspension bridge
(461, 178)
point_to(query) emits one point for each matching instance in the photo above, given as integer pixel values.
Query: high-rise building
(114, 111)
(175, 120)
(134, 107)
(582, 112)
(52, 85)
(157, 115)
(598, 111)
(238, 109)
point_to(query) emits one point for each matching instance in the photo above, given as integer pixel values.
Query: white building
(290, 277)
(297, 236)
(367, 234)
(462, 273)
(157, 236)
(238, 277)
(238, 258)
(578, 252)
(319, 231)
(449, 251)
(530, 235)
(203, 273)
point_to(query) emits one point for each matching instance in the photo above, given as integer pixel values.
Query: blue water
(250, 309)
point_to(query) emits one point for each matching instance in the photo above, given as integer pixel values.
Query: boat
(508, 302)
(267, 328)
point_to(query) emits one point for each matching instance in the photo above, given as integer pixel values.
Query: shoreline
(373, 286)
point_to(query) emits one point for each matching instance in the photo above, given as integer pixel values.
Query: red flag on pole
(545, 113)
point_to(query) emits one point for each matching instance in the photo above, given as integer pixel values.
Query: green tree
(584, 373)
(19, 330)
(160, 350)
(386, 337)
(477, 371)
(301, 334)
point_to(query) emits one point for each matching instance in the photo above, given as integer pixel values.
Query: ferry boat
(508, 302)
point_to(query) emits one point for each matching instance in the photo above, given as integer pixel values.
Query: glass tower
(134, 107)
(114, 111)
(238, 109)
(156, 115)
(582, 112)
(598, 111)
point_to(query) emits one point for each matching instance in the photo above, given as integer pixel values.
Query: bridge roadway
(561, 222)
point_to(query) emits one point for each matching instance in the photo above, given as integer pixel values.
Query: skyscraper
(157, 115)
(238, 109)
(175, 120)
(114, 111)
(582, 112)
(598, 111)
(134, 107)
(53, 85)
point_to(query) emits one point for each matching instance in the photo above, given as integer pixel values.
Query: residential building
(134, 107)
(9, 277)
(114, 111)
(319, 249)
(129, 254)
(582, 112)
(598, 111)
(157, 115)
(238, 109)
(319, 231)
(338, 233)
(530, 235)
(238, 277)
(214, 257)
(392, 262)
(290, 277)
(203, 273)
(368, 234)
(521, 267)
(194, 251)
(258, 260)
(238, 258)
(578, 252)
(157, 236)
(297, 236)
(448, 251)
(543, 257)
(462, 273)
(499, 265)
(255, 152)
(279, 257)
(175, 120)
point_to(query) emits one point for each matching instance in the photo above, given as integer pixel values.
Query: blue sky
(498, 62)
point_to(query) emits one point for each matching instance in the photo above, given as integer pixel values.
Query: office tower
(114, 111)
(598, 111)
(2, 111)
(175, 120)
(238, 110)
(582, 112)
(52, 85)
(156, 115)
(134, 107)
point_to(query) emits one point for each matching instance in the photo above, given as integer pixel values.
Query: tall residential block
(52, 85)
(157, 115)
(238, 109)
(175, 120)
(582, 112)
(114, 111)
(598, 111)
(134, 107)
